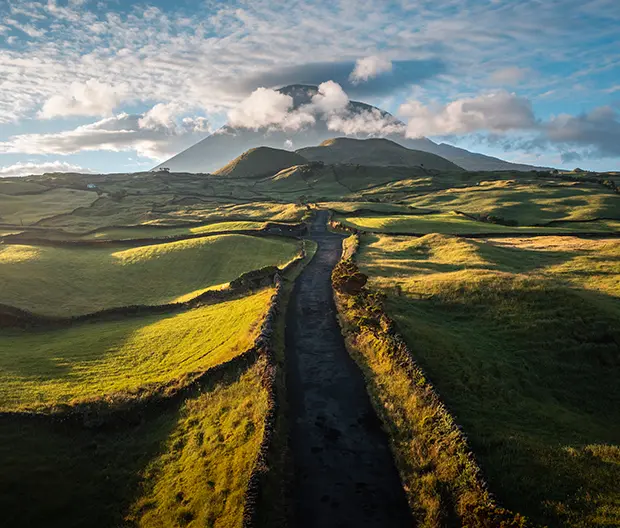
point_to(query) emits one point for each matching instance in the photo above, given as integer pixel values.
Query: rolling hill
(228, 142)
(373, 152)
(261, 161)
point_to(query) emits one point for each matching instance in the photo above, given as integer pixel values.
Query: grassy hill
(527, 203)
(95, 360)
(457, 224)
(29, 209)
(373, 152)
(189, 462)
(260, 161)
(73, 281)
(520, 337)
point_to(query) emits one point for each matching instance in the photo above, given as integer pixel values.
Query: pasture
(187, 462)
(520, 338)
(63, 281)
(526, 203)
(29, 209)
(43, 368)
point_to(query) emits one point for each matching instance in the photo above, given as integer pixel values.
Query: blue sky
(118, 86)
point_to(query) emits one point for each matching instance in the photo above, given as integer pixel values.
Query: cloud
(268, 108)
(569, 157)
(598, 130)
(369, 67)
(371, 122)
(509, 76)
(330, 99)
(330, 107)
(403, 74)
(493, 112)
(92, 98)
(156, 134)
(28, 168)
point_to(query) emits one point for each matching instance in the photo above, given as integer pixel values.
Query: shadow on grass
(63, 475)
(532, 376)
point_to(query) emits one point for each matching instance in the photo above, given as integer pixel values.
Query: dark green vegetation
(520, 338)
(517, 336)
(375, 152)
(261, 161)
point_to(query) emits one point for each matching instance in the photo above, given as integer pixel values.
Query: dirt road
(345, 474)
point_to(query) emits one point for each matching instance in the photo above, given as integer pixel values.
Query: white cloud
(509, 76)
(272, 109)
(268, 108)
(92, 98)
(204, 58)
(156, 134)
(494, 112)
(370, 67)
(368, 122)
(28, 168)
(330, 99)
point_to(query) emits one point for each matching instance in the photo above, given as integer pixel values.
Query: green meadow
(29, 209)
(64, 281)
(526, 202)
(457, 224)
(520, 338)
(186, 464)
(89, 361)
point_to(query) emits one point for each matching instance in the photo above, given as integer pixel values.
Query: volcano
(229, 142)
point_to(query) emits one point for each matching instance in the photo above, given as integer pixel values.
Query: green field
(93, 360)
(161, 232)
(520, 337)
(18, 186)
(185, 465)
(526, 203)
(71, 281)
(453, 223)
(29, 209)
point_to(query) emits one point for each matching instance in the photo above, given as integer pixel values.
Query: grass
(201, 476)
(187, 465)
(521, 340)
(19, 186)
(43, 368)
(527, 203)
(29, 209)
(160, 232)
(453, 223)
(72, 281)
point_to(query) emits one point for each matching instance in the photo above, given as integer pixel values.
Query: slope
(261, 161)
(228, 142)
(374, 151)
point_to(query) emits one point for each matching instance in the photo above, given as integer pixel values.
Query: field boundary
(120, 407)
(369, 331)
(270, 230)
(11, 316)
(344, 228)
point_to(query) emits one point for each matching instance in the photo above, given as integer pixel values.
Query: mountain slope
(228, 142)
(261, 161)
(374, 152)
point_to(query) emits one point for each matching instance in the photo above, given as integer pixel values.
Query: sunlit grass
(175, 467)
(521, 339)
(92, 360)
(453, 223)
(526, 203)
(69, 281)
(201, 476)
(150, 232)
